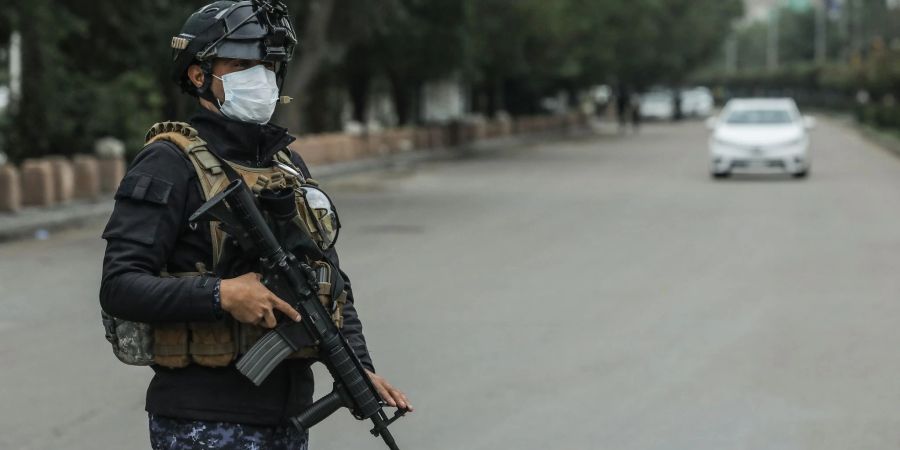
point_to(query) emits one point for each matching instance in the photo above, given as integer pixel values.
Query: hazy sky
(758, 8)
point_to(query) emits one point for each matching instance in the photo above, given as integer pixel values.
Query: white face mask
(250, 95)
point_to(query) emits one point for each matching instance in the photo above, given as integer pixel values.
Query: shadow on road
(760, 178)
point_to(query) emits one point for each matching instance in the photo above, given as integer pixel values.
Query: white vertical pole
(821, 31)
(772, 41)
(15, 67)
(856, 39)
(731, 54)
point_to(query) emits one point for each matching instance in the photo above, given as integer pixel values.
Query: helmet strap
(205, 91)
(280, 75)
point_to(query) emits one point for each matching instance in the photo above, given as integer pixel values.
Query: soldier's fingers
(398, 397)
(269, 317)
(260, 319)
(385, 394)
(381, 388)
(285, 308)
(404, 402)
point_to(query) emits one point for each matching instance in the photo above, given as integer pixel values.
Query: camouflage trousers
(178, 434)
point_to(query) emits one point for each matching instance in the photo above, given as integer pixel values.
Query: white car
(657, 105)
(768, 133)
(697, 102)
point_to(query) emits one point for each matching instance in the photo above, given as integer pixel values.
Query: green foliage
(547, 46)
(689, 32)
(92, 69)
(420, 42)
(101, 67)
(125, 116)
(42, 122)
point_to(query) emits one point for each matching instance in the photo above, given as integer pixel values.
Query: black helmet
(249, 29)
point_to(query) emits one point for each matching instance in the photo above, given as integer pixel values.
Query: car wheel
(720, 175)
(801, 174)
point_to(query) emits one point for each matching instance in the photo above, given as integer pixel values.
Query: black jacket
(149, 232)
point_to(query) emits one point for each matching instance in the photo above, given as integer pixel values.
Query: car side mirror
(809, 122)
(711, 122)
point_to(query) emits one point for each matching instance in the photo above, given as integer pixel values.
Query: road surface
(596, 293)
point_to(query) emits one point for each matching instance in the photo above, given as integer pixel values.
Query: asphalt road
(596, 293)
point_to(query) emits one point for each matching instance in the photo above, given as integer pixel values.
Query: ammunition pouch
(132, 342)
(209, 344)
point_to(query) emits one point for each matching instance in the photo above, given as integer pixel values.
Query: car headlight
(724, 142)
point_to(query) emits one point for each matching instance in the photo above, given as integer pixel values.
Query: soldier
(181, 297)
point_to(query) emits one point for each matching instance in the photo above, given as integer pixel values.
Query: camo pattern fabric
(132, 342)
(176, 434)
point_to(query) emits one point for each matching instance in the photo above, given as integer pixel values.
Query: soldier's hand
(249, 301)
(391, 395)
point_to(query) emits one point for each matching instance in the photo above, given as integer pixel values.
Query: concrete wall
(10, 189)
(87, 177)
(38, 188)
(341, 147)
(55, 179)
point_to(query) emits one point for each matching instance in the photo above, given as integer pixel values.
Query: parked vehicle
(760, 133)
(697, 102)
(658, 105)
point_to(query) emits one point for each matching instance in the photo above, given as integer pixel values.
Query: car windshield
(759, 117)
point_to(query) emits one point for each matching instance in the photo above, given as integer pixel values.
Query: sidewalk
(883, 138)
(37, 222)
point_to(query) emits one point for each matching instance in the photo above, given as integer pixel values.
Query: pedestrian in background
(635, 113)
(623, 103)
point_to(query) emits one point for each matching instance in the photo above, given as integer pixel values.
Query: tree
(327, 29)
(690, 32)
(40, 120)
(81, 84)
(513, 46)
(101, 67)
(422, 43)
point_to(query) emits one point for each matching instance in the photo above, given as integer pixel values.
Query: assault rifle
(236, 210)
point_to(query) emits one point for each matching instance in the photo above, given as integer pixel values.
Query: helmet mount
(249, 29)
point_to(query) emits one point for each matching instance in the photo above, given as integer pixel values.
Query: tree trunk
(358, 87)
(418, 103)
(400, 96)
(500, 100)
(475, 103)
(316, 51)
(572, 98)
(493, 97)
(29, 120)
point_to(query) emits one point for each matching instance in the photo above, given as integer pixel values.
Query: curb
(412, 157)
(29, 222)
(32, 222)
(881, 138)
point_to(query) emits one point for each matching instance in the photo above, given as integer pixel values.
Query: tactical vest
(215, 344)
